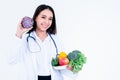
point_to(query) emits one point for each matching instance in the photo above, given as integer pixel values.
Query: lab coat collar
(33, 34)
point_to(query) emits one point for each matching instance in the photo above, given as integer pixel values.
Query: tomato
(63, 61)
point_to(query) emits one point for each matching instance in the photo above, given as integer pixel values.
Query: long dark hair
(52, 29)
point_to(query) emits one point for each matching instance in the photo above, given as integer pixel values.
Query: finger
(30, 28)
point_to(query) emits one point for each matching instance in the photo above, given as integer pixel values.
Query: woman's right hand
(21, 30)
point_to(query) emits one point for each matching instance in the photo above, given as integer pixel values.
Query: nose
(47, 21)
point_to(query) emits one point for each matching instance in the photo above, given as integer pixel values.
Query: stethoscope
(39, 48)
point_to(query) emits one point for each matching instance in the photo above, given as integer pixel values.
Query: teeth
(44, 26)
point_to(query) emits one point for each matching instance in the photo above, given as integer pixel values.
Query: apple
(63, 61)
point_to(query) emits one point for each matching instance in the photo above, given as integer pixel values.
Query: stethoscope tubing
(29, 36)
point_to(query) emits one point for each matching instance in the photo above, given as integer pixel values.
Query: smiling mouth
(44, 25)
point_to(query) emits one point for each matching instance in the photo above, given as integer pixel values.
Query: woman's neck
(41, 35)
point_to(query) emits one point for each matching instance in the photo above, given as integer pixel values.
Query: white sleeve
(15, 54)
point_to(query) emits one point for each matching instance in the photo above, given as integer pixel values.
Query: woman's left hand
(21, 30)
(70, 68)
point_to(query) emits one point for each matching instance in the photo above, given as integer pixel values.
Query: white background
(92, 26)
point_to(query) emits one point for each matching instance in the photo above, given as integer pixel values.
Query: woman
(39, 45)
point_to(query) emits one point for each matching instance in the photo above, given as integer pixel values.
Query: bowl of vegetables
(73, 60)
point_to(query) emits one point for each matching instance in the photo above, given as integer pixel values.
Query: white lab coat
(27, 61)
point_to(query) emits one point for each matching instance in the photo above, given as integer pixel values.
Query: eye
(51, 19)
(43, 17)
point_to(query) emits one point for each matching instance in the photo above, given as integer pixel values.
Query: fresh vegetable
(27, 22)
(63, 61)
(74, 55)
(62, 55)
(77, 59)
(55, 61)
